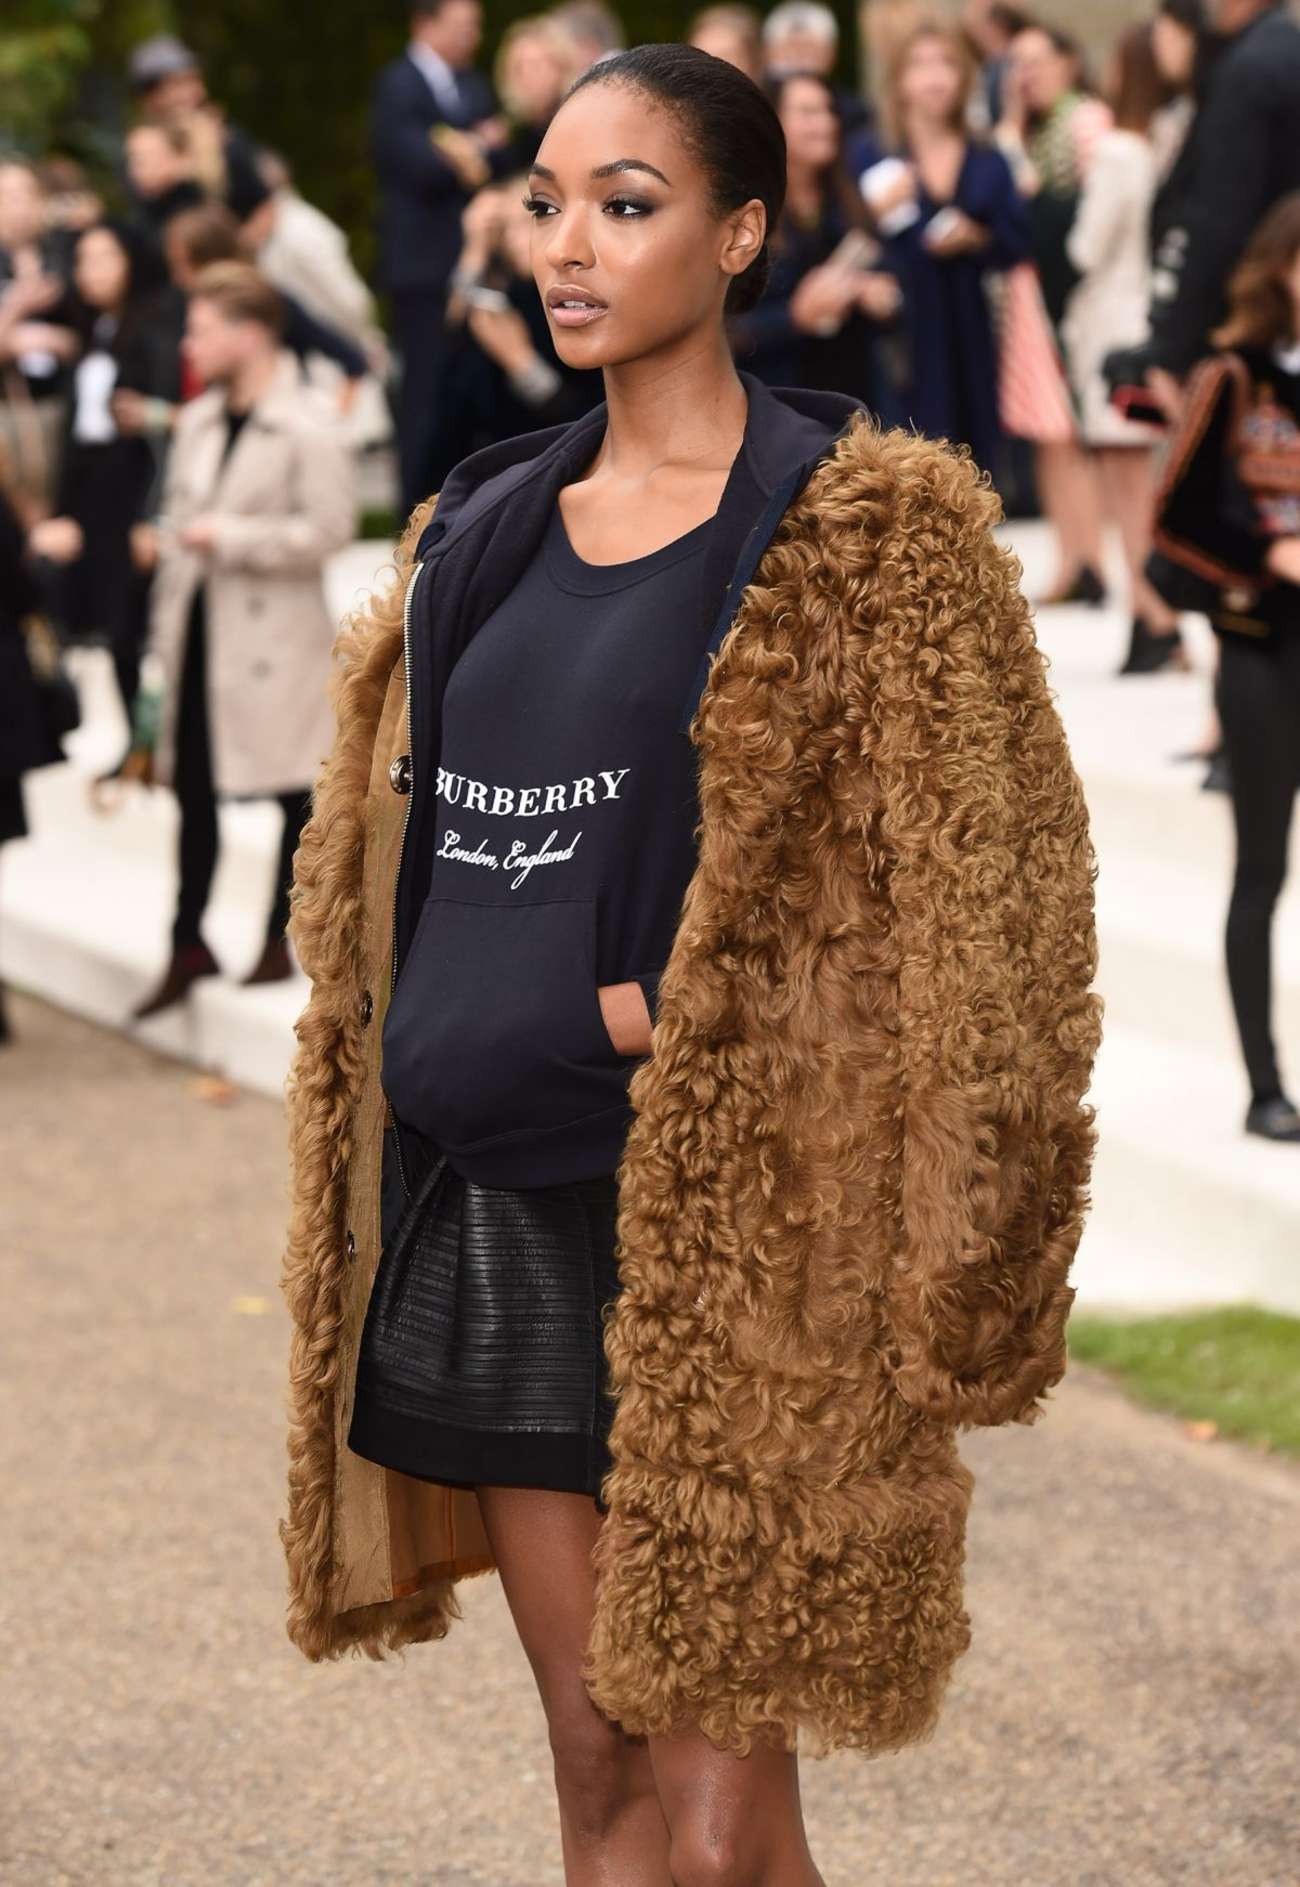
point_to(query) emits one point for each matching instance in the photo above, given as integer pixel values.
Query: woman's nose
(567, 244)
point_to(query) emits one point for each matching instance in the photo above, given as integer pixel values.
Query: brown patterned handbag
(1230, 480)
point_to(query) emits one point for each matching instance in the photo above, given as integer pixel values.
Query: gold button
(399, 774)
(367, 1007)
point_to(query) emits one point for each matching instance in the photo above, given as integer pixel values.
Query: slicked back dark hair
(727, 123)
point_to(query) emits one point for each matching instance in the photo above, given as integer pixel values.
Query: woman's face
(1173, 46)
(930, 83)
(22, 206)
(812, 129)
(1042, 74)
(725, 42)
(622, 212)
(102, 270)
(532, 77)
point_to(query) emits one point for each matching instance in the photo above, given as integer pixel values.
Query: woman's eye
(535, 205)
(634, 204)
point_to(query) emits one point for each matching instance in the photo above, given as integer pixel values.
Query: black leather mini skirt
(482, 1354)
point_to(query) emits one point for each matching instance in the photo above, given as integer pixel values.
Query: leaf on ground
(214, 1089)
(1201, 1431)
(251, 1306)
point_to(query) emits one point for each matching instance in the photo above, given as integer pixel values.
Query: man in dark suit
(435, 138)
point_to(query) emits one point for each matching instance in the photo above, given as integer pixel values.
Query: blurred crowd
(997, 238)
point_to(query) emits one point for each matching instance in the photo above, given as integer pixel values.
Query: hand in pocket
(627, 1018)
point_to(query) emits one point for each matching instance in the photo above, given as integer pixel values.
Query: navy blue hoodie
(492, 514)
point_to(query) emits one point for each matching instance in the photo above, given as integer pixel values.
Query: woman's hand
(134, 412)
(463, 152)
(958, 235)
(502, 333)
(900, 188)
(1284, 558)
(627, 1019)
(146, 545)
(59, 539)
(29, 295)
(199, 534)
(822, 299)
(878, 294)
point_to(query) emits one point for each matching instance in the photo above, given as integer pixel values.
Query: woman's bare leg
(735, 1821)
(1126, 480)
(612, 1826)
(1071, 499)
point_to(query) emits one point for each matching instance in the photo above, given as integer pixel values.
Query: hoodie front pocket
(495, 1026)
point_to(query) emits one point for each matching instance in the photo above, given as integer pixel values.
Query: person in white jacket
(305, 254)
(1108, 309)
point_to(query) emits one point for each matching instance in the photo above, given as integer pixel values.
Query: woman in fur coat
(687, 1122)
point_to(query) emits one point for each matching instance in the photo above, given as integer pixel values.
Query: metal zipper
(410, 801)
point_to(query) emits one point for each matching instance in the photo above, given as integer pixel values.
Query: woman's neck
(249, 382)
(689, 412)
(930, 134)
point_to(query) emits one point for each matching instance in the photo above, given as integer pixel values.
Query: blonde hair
(535, 26)
(241, 293)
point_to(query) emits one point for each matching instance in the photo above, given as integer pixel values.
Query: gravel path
(1127, 1714)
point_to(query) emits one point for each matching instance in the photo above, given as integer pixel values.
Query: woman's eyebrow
(606, 170)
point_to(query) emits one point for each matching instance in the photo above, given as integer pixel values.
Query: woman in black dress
(823, 308)
(108, 472)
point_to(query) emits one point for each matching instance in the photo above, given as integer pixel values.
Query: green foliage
(1238, 1367)
(49, 50)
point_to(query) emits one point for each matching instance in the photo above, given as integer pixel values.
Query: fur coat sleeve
(856, 1177)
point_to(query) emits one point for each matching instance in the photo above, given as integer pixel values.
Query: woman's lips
(578, 314)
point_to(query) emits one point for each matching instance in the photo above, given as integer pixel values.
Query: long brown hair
(834, 181)
(1140, 90)
(1261, 308)
(958, 49)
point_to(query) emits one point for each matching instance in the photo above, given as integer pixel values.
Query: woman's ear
(746, 232)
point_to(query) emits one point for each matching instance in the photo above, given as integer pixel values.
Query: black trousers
(196, 795)
(1258, 699)
(420, 337)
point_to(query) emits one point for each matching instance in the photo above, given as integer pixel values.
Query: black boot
(1087, 587)
(1274, 1118)
(1218, 778)
(1148, 651)
(272, 966)
(189, 962)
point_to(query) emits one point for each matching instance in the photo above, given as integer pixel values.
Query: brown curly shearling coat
(856, 1175)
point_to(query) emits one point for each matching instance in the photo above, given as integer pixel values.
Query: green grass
(377, 521)
(1237, 1367)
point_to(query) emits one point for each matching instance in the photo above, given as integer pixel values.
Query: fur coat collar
(857, 1171)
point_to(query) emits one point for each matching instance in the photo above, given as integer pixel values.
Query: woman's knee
(597, 1768)
(707, 1853)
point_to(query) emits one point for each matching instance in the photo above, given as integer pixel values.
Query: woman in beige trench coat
(260, 490)
(855, 1176)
